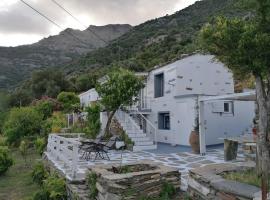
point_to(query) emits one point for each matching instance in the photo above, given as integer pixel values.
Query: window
(159, 85)
(164, 121)
(226, 107)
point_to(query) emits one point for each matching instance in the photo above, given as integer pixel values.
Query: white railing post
(75, 159)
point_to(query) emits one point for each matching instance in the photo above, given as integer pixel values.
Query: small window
(228, 107)
(164, 121)
(159, 85)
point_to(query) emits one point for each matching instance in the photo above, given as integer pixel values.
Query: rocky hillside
(16, 63)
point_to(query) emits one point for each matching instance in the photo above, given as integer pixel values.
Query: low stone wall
(207, 183)
(114, 186)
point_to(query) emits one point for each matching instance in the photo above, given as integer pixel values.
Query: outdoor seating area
(75, 164)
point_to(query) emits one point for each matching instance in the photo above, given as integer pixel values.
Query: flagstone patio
(183, 161)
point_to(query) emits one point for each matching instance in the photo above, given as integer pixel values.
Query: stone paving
(183, 161)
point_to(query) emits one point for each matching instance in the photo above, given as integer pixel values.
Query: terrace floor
(178, 157)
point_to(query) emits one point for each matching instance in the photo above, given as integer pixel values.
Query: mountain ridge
(16, 63)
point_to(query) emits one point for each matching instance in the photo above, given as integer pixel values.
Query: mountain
(160, 40)
(17, 63)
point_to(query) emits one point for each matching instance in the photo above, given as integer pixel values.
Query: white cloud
(21, 25)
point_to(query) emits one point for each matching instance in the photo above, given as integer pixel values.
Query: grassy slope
(17, 183)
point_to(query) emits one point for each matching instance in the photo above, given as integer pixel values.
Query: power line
(50, 20)
(76, 19)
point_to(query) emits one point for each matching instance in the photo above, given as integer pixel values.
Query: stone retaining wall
(207, 183)
(114, 186)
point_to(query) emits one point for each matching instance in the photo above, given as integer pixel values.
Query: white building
(88, 97)
(172, 100)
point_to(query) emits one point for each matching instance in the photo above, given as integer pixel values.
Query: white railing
(151, 130)
(143, 104)
(131, 124)
(65, 147)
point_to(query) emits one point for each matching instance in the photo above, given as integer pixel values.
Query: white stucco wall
(88, 97)
(200, 74)
(220, 125)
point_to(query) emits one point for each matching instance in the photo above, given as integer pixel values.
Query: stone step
(136, 135)
(144, 143)
(142, 148)
(140, 139)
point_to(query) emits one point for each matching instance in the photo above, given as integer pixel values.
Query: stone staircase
(141, 140)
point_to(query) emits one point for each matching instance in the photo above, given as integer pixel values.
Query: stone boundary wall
(207, 183)
(113, 186)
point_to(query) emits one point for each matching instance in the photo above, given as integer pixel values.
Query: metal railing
(65, 147)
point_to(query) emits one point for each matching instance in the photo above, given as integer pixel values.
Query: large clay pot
(194, 142)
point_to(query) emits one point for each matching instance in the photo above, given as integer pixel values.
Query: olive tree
(244, 46)
(120, 89)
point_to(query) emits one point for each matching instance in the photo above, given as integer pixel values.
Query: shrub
(40, 145)
(55, 188)
(92, 180)
(56, 122)
(21, 122)
(168, 191)
(3, 141)
(39, 173)
(5, 160)
(93, 121)
(45, 108)
(69, 101)
(23, 148)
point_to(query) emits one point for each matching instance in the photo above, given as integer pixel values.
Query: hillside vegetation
(160, 40)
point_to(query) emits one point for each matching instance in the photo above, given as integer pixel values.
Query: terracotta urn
(194, 142)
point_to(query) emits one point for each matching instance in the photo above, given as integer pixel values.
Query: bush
(53, 188)
(56, 122)
(21, 122)
(45, 108)
(3, 141)
(40, 145)
(69, 101)
(23, 148)
(93, 121)
(39, 173)
(5, 160)
(92, 180)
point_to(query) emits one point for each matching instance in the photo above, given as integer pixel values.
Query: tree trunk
(107, 129)
(263, 138)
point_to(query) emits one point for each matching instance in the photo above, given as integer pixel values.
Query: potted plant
(194, 139)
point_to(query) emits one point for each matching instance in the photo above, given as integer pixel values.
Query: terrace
(63, 153)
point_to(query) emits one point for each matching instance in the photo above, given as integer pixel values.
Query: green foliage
(124, 137)
(39, 173)
(49, 82)
(93, 121)
(20, 97)
(247, 176)
(5, 160)
(40, 145)
(85, 81)
(53, 188)
(120, 89)
(24, 149)
(92, 180)
(45, 108)
(21, 122)
(3, 141)
(55, 123)
(69, 100)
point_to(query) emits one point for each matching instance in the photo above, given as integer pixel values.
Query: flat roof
(244, 96)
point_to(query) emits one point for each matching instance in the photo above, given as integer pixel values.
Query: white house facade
(88, 97)
(170, 104)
